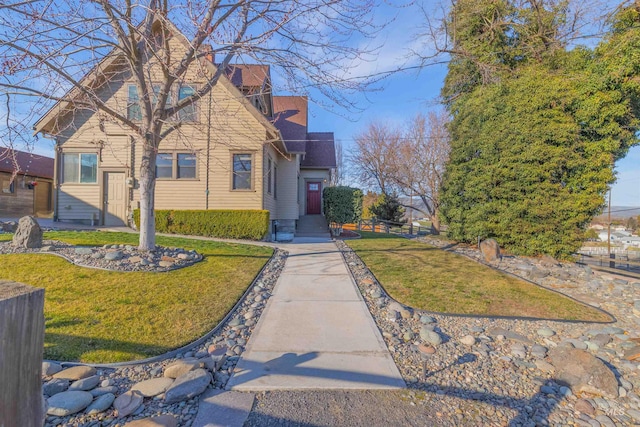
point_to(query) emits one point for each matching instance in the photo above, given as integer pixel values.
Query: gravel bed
(501, 366)
(231, 337)
(113, 257)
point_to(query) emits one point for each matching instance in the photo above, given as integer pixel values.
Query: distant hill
(619, 212)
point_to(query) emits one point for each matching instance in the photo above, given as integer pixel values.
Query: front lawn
(106, 316)
(428, 278)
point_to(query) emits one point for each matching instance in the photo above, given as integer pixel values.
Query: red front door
(313, 198)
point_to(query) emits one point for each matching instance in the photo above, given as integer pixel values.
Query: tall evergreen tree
(536, 127)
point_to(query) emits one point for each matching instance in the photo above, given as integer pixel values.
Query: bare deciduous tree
(419, 161)
(69, 52)
(371, 156)
(410, 161)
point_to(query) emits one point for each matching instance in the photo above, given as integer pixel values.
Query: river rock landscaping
(518, 372)
(165, 390)
(113, 257)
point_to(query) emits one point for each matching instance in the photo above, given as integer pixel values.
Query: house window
(275, 181)
(242, 172)
(7, 186)
(164, 166)
(79, 168)
(133, 103)
(186, 166)
(188, 113)
(176, 166)
(269, 175)
(156, 94)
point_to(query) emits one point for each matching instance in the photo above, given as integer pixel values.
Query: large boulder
(490, 250)
(187, 386)
(583, 372)
(28, 234)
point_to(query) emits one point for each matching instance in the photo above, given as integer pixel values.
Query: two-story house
(239, 147)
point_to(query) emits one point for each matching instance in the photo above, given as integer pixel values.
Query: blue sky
(402, 95)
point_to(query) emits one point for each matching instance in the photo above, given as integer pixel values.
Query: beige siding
(306, 175)
(269, 195)
(223, 126)
(288, 188)
(79, 202)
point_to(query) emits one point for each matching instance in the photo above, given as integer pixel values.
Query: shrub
(342, 205)
(388, 208)
(227, 224)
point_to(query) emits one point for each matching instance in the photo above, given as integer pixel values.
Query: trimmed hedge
(342, 205)
(226, 224)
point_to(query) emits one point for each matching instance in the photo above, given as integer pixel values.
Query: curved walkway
(316, 331)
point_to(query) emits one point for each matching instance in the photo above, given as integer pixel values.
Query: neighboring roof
(28, 163)
(290, 118)
(320, 151)
(247, 75)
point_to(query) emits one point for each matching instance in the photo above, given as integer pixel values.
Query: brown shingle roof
(247, 75)
(320, 151)
(28, 163)
(290, 118)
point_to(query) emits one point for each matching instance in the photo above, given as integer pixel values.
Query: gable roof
(320, 151)
(290, 118)
(28, 163)
(60, 106)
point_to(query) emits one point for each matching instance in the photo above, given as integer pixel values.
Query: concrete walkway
(316, 331)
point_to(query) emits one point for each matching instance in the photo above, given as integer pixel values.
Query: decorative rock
(424, 319)
(633, 353)
(584, 372)
(55, 386)
(490, 250)
(538, 351)
(83, 251)
(101, 404)
(134, 259)
(430, 336)
(519, 350)
(113, 256)
(468, 340)
(50, 368)
(635, 414)
(103, 390)
(127, 403)
(68, 402)
(583, 405)
(28, 234)
(181, 367)
(85, 383)
(187, 386)
(546, 332)
(548, 261)
(153, 387)
(165, 264)
(160, 421)
(76, 372)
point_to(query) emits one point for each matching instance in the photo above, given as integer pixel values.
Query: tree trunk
(435, 222)
(147, 196)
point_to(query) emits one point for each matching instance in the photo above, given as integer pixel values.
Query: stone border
(113, 269)
(481, 316)
(199, 341)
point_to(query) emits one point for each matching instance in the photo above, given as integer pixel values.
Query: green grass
(428, 278)
(103, 316)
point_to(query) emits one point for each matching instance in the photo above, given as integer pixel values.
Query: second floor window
(188, 113)
(133, 103)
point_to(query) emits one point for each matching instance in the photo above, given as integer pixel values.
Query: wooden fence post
(21, 347)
